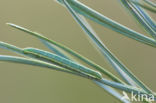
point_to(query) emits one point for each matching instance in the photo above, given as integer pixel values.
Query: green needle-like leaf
(33, 62)
(68, 50)
(108, 89)
(141, 16)
(145, 6)
(107, 22)
(110, 57)
(10, 47)
(125, 88)
(107, 82)
(60, 61)
(47, 65)
(22, 52)
(91, 33)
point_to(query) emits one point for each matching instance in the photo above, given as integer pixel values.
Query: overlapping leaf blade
(146, 5)
(107, 22)
(44, 58)
(141, 16)
(41, 54)
(68, 50)
(108, 89)
(33, 62)
(45, 64)
(52, 58)
(110, 57)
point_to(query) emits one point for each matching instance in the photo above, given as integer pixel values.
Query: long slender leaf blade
(10, 47)
(107, 22)
(22, 52)
(33, 62)
(54, 43)
(47, 65)
(125, 88)
(68, 50)
(122, 87)
(110, 57)
(108, 89)
(145, 6)
(141, 16)
(91, 33)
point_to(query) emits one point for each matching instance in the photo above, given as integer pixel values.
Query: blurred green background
(28, 84)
